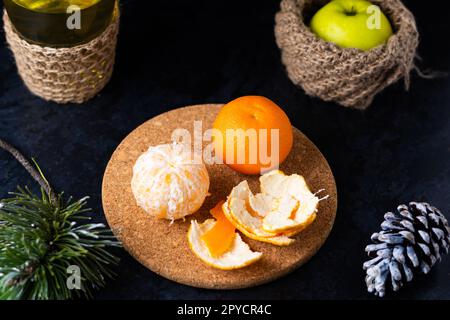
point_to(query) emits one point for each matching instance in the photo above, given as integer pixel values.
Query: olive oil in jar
(60, 23)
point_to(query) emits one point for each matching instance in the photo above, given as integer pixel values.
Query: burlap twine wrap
(64, 75)
(349, 77)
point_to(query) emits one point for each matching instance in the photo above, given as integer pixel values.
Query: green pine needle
(40, 239)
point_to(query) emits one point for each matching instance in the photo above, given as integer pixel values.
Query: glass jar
(60, 23)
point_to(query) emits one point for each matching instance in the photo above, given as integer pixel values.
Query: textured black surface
(177, 53)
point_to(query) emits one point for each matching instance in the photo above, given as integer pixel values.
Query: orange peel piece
(219, 238)
(284, 208)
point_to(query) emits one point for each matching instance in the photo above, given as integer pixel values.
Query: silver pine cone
(411, 241)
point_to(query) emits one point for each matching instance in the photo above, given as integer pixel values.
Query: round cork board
(163, 248)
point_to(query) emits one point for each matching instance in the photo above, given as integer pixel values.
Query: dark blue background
(177, 53)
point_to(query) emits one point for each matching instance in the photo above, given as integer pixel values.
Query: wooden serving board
(164, 249)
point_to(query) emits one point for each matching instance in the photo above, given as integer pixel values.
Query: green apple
(352, 24)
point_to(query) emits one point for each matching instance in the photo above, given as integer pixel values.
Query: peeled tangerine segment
(284, 208)
(238, 256)
(221, 237)
(236, 210)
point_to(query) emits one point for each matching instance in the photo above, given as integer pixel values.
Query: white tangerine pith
(167, 183)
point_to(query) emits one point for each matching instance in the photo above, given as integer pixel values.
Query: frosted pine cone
(411, 241)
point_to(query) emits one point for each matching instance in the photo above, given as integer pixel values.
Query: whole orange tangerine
(252, 135)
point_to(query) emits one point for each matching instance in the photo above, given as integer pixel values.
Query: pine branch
(39, 241)
(41, 236)
(35, 173)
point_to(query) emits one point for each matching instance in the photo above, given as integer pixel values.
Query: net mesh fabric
(349, 77)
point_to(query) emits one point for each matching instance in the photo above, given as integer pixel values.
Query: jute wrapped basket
(65, 75)
(350, 77)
